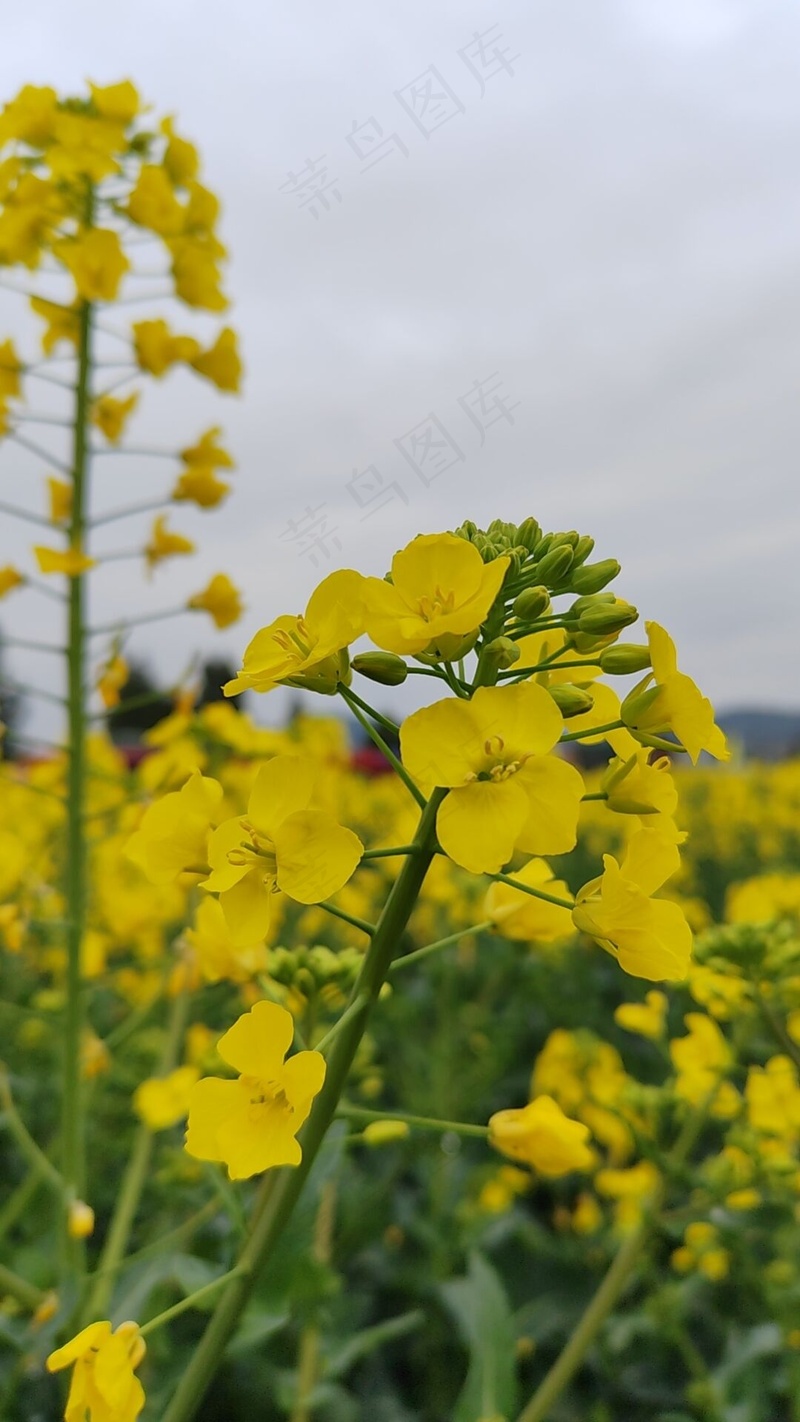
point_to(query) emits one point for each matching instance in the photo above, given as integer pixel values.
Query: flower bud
(500, 654)
(571, 700)
(602, 621)
(582, 604)
(80, 1220)
(621, 661)
(383, 667)
(582, 549)
(555, 565)
(594, 576)
(379, 1133)
(528, 533)
(531, 604)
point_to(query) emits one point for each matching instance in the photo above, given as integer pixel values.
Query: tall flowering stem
(73, 1141)
(281, 1193)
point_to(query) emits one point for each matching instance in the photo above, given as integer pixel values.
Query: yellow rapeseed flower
(306, 651)
(540, 1135)
(282, 844)
(441, 591)
(506, 792)
(251, 1124)
(103, 1387)
(220, 599)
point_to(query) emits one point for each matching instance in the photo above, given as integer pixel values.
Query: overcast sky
(591, 210)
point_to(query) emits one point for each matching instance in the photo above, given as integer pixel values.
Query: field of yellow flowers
(458, 1084)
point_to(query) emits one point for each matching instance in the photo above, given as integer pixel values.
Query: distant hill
(763, 735)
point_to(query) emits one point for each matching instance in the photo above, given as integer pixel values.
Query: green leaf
(484, 1317)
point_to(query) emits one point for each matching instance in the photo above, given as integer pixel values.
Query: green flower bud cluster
(555, 561)
(308, 969)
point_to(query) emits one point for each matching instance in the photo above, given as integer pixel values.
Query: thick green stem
(73, 1143)
(283, 1191)
(133, 1181)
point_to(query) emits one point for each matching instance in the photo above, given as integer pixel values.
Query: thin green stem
(27, 1294)
(417, 1123)
(72, 1119)
(534, 893)
(355, 703)
(123, 624)
(28, 1147)
(591, 731)
(191, 1301)
(394, 853)
(368, 928)
(349, 1013)
(27, 517)
(420, 954)
(149, 506)
(281, 1192)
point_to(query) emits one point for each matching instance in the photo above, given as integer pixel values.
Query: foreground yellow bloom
(506, 792)
(441, 590)
(674, 704)
(103, 1386)
(251, 1124)
(540, 1135)
(306, 651)
(173, 835)
(281, 845)
(650, 938)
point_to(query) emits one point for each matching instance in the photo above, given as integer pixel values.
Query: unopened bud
(621, 661)
(604, 621)
(80, 1220)
(379, 1133)
(555, 565)
(582, 549)
(531, 604)
(500, 654)
(571, 700)
(594, 576)
(582, 604)
(383, 667)
(529, 533)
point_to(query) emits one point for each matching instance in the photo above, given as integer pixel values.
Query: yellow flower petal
(478, 824)
(257, 1043)
(316, 856)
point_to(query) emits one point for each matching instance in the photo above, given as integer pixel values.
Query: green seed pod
(621, 661)
(571, 700)
(531, 604)
(594, 576)
(604, 621)
(383, 667)
(555, 565)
